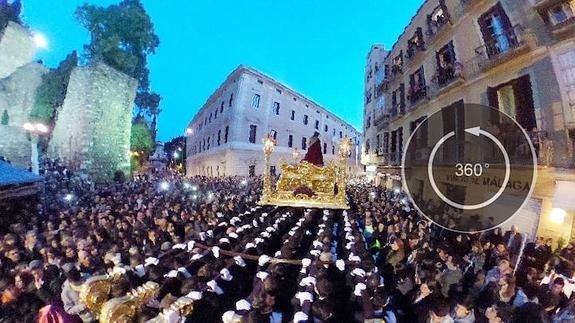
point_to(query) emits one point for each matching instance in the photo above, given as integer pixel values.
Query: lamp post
(35, 130)
(269, 146)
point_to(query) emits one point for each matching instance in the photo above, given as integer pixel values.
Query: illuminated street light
(40, 40)
(164, 186)
(176, 155)
(68, 197)
(35, 129)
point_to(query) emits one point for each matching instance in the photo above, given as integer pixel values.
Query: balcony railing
(564, 27)
(391, 158)
(502, 47)
(544, 4)
(449, 74)
(417, 94)
(437, 26)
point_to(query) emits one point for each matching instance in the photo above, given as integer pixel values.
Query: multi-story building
(373, 108)
(225, 137)
(517, 56)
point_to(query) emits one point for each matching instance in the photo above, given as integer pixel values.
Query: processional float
(302, 184)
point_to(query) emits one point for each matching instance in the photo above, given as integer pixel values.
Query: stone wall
(16, 49)
(17, 96)
(92, 131)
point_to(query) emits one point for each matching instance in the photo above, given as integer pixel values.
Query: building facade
(374, 105)
(517, 56)
(225, 137)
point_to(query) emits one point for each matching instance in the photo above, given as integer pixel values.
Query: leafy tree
(149, 102)
(178, 145)
(5, 118)
(10, 12)
(51, 93)
(141, 143)
(122, 36)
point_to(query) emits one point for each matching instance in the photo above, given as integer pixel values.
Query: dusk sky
(317, 47)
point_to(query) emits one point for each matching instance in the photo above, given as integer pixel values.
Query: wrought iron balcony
(417, 94)
(502, 47)
(566, 27)
(391, 158)
(541, 5)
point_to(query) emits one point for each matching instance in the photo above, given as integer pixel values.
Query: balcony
(381, 88)
(435, 28)
(413, 50)
(391, 159)
(447, 78)
(417, 95)
(543, 5)
(566, 28)
(510, 44)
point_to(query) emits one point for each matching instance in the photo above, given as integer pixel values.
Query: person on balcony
(313, 154)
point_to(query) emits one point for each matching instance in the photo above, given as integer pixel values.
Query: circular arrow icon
(477, 131)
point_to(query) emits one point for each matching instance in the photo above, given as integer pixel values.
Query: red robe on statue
(313, 154)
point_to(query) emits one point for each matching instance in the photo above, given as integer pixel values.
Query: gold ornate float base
(306, 185)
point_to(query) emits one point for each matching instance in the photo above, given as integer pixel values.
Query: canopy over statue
(308, 183)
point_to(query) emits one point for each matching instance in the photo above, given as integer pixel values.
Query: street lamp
(35, 130)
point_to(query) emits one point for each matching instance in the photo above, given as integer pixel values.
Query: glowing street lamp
(35, 129)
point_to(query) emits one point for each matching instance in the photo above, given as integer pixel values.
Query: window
(274, 134)
(436, 20)
(562, 12)
(367, 146)
(498, 35)
(253, 129)
(305, 119)
(256, 101)
(290, 141)
(210, 120)
(276, 108)
(303, 143)
(208, 143)
(216, 114)
(340, 135)
(415, 43)
(279, 91)
(447, 67)
(333, 150)
(226, 134)
(378, 143)
(317, 124)
(325, 128)
(292, 115)
(272, 170)
(219, 136)
(368, 123)
(231, 100)
(252, 170)
(260, 82)
(324, 148)
(333, 132)
(222, 107)
(417, 88)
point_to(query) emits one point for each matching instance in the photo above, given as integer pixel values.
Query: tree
(176, 145)
(141, 143)
(5, 118)
(10, 12)
(51, 93)
(121, 36)
(149, 102)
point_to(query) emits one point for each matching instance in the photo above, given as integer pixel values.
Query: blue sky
(316, 47)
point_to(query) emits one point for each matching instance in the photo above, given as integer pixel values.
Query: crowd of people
(207, 240)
